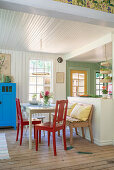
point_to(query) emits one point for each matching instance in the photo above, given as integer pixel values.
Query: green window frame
(99, 85)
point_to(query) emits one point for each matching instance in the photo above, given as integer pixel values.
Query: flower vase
(104, 96)
(46, 101)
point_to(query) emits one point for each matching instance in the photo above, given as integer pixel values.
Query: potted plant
(34, 97)
(104, 92)
(105, 71)
(2, 59)
(107, 79)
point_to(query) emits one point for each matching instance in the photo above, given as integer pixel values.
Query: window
(40, 77)
(78, 82)
(98, 84)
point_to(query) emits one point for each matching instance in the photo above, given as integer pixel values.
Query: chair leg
(91, 133)
(54, 144)
(64, 138)
(76, 131)
(21, 134)
(17, 132)
(58, 132)
(43, 130)
(83, 134)
(36, 138)
(48, 138)
(34, 132)
(39, 136)
(26, 129)
(71, 134)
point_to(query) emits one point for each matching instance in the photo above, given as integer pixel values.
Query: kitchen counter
(102, 122)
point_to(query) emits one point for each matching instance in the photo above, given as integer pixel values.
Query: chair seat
(48, 125)
(70, 119)
(34, 121)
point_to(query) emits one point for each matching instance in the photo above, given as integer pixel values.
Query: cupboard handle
(0, 102)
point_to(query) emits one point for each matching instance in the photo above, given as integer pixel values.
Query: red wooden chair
(59, 123)
(23, 122)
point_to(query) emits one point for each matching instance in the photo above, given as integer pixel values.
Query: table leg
(49, 117)
(30, 131)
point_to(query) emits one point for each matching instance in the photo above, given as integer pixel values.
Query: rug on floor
(84, 152)
(3, 147)
(70, 147)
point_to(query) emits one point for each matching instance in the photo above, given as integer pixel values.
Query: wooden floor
(21, 158)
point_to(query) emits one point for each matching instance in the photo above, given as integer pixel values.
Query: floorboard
(21, 158)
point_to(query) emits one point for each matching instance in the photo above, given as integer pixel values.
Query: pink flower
(41, 95)
(46, 93)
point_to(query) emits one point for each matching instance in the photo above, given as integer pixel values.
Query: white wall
(102, 120)
(20, 68)
(113, 79)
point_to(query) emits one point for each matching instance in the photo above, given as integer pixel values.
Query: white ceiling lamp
(41, 73)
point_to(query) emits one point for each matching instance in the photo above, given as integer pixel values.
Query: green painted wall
(91, 69)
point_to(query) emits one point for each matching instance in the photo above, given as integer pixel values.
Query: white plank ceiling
(23, 31)
(97, 55)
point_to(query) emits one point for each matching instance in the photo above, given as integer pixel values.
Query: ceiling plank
(100, 42)
(23, 32)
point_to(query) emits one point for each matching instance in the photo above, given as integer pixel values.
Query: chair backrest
(90, 115)
(89, 120)
(19, 113)
(60, 113)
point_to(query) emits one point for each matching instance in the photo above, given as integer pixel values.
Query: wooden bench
(75, 123)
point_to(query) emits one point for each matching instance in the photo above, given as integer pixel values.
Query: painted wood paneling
(102, 122)
(20, 72)
(91, 68)
(23, 32)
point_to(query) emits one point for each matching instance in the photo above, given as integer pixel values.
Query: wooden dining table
(34, 109)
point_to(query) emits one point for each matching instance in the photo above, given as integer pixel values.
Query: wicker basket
(106, 63)
(105, 81)
(105, 71)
